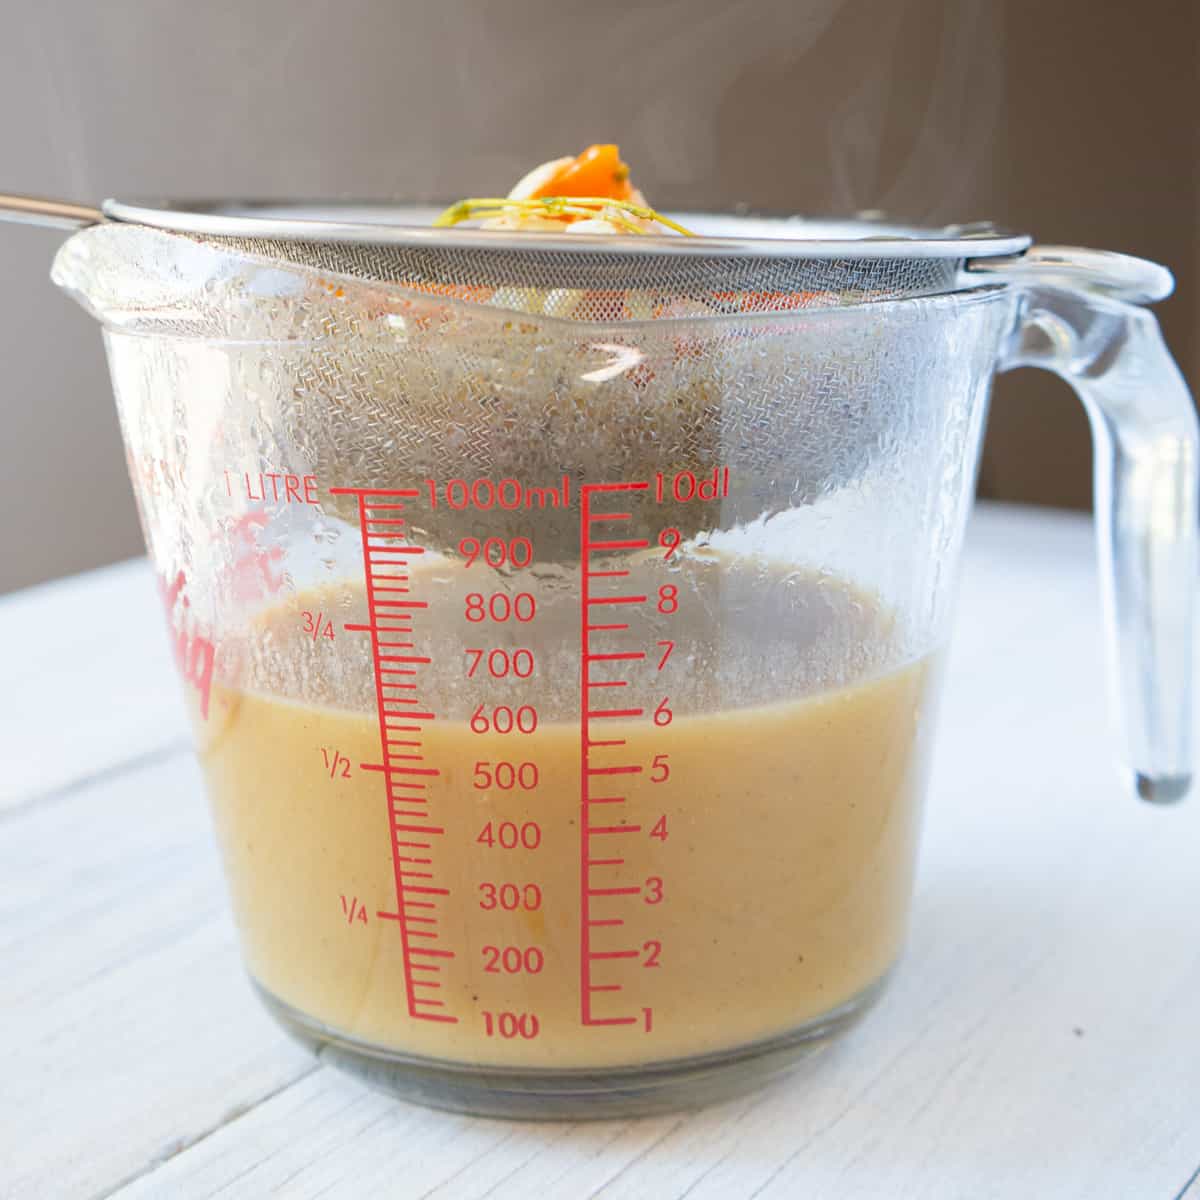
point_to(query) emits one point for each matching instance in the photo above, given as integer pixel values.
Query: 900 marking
(497, 551)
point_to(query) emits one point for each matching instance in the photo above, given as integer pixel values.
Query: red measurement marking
(317, 625)
(595, 874)
(336, 763)
(353, 911)
(362, 493)
(381, 549)
(634, 544)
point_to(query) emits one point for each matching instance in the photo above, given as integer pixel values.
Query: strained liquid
(757, 877)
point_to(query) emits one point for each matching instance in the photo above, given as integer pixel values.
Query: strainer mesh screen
(591, 285)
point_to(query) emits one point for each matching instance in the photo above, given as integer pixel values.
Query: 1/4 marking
(353, 910)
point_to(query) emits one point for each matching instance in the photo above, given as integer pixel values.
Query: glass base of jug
(547, 1094)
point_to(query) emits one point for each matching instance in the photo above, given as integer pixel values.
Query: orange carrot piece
(598, 171)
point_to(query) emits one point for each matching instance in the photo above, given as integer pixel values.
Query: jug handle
(1077, 316)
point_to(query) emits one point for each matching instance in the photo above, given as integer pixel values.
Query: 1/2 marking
(336, 763)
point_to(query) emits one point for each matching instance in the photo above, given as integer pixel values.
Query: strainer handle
(40, 210)
(1145, 445)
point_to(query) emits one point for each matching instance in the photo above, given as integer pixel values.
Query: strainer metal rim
(238, 219)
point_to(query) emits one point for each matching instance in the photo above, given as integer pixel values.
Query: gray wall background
(1075, 119)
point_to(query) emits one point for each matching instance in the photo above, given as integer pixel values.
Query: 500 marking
(505, 775)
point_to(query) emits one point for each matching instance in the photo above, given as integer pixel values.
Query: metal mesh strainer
(736, 265)
(391, 350)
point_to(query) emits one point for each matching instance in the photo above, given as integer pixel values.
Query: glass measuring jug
(562, 625)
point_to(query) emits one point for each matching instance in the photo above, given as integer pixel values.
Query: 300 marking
(510, 896)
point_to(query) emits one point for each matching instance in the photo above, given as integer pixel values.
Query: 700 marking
(500, 663)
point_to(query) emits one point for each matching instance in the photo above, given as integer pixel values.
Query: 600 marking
(504, 719)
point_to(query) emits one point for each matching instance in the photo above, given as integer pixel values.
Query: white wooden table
(1042, 1038)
